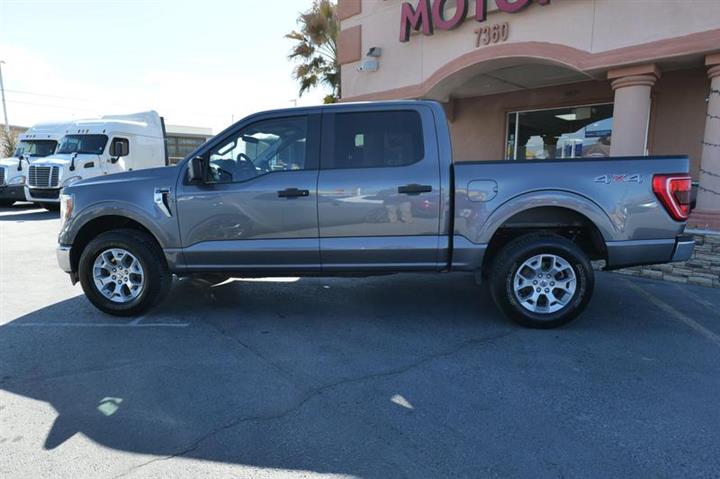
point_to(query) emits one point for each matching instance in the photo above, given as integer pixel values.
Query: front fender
(164, 229)
(483, 233)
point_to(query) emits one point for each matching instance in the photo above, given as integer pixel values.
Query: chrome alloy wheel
(545, 284)
(118, 275)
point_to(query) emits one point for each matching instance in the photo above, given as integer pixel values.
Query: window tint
(376, 139)
(261, 148)
(89, 144)
(36, 148)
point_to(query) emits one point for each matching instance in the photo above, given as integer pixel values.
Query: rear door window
(374, 139)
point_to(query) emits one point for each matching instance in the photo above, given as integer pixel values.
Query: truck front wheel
(123, 272)
(542, 280)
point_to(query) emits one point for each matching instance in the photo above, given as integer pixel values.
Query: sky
(203, 63)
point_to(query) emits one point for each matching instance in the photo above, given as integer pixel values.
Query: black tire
(512, 257)
(6, 203)
(141, 245)
(51, 206)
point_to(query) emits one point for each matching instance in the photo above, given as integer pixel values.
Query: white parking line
(22, 212)
(137, 320)
(715, 338)
(697, 298)
(133, 324)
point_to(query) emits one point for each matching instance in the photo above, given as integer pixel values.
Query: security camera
(369, 66)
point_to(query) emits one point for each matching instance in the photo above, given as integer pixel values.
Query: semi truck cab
(40, 141)
(97, 147)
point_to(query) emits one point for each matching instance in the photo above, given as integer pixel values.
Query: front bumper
(12, 192)
(684, 247)
(63, 258)
(43, 195)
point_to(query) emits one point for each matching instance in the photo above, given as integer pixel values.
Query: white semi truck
(97, 147)
(38, 142)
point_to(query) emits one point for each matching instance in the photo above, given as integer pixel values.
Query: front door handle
(293, 193)
(414, 189)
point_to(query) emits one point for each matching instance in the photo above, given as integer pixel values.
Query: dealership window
(572, 132)
(178, 147)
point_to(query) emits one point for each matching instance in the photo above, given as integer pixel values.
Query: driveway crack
(312, 394)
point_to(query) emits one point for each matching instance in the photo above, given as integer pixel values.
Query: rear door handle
(293, 193)
(414, 189)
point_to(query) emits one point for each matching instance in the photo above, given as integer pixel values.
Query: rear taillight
(674, 192)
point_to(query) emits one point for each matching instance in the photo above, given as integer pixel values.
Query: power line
(21, 92)
(47, 105)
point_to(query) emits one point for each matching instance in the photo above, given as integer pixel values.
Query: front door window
(261, 148)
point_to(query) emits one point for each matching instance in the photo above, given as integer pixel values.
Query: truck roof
(45, 131)
(147, 123)
(362, 105)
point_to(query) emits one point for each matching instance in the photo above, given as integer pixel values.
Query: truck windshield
(35, 148)
(91, 144)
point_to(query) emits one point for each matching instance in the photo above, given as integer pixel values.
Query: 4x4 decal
(608, 179)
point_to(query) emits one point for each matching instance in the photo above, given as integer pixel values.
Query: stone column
(632, 86)
(708, 203)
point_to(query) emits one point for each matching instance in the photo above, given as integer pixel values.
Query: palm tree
(8, 142)
(316, 49)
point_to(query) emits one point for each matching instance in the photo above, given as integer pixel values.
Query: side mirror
(197, 170)
(119, 148)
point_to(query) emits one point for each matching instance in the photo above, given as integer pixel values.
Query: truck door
(379, 189)
(110, 164)
(258, 212)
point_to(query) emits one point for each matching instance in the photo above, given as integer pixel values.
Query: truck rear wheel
(542, 280)
(123, 272)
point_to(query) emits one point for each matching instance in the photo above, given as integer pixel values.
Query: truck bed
(615, 194)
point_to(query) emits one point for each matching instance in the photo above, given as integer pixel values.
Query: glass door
(571, 132)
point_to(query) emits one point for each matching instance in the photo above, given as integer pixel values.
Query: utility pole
(2, 94)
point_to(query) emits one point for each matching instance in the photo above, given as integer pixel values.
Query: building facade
(180, 140)
(543, 79)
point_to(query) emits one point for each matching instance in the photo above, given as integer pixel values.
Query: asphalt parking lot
(399, 376)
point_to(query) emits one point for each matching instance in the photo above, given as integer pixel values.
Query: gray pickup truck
(364, 189)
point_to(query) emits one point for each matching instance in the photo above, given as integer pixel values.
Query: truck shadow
(26, 212)
(412, 376)
(294, 374)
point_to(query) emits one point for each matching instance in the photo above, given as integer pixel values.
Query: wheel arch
(567, 214)
(93, 227)
(546, 199)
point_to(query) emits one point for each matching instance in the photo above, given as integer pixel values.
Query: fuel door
(482, 191)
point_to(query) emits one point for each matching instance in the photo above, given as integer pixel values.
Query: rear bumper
(15, 192)
(623, 254)
(684, 248)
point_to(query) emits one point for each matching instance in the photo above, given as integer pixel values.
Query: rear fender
(483, 233)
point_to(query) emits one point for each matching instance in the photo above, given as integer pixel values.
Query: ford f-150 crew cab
(363, 189)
